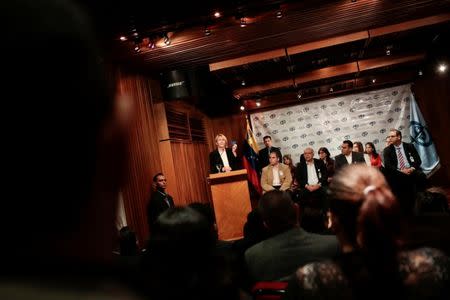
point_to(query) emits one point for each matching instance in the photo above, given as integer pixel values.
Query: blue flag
(421, 138)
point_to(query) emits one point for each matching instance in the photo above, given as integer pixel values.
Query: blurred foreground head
(62, 133)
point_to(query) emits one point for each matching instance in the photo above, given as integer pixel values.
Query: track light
(243, 83)
(207, 31)
(243, 23)
(137, 48)
(279, 14)
(331, 90)
(217, 14)
(166, 39)
(258, 103)
(420, 73)
(388, 52)
(242, 107)
(123, 38)
(374, 80)
(299, 95)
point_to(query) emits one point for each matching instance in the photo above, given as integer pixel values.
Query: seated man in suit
(347, 156)
(402, 170)
(264, 153)
(312, 178)
(276, 175)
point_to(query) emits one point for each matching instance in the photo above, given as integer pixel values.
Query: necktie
(401, 159)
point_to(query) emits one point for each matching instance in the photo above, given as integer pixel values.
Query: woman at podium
(223, 159)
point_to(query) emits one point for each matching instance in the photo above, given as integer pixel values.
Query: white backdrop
(364, 117)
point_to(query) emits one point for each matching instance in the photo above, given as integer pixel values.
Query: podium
(231, 202)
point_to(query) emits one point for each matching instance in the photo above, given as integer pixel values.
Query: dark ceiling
(316, 48)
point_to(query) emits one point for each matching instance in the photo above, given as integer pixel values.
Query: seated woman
(358, 147)
(365, 218)
(324, 155)
(375, 158)
(223, 159)
(287, 160)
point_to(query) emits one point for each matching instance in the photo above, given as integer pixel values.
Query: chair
(269, 290)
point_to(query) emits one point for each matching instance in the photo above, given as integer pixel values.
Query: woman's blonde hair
(221, 135)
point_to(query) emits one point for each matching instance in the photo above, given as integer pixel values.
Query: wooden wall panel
(233, 127)
(191, 161)
(144, 157)
(433, 97)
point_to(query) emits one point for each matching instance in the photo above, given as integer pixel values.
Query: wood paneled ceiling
(315, 45)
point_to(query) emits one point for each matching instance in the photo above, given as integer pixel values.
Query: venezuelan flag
(250, 159)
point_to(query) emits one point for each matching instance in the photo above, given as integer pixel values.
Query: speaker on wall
(175, 85)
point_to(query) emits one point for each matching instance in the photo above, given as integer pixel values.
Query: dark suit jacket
(281, 255)
(390, 157)
(302, 173)
(263, 156)
(157, 205)
(340, 160)
(215, 159)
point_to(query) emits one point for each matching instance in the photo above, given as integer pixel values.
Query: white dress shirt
(312, 174)
(276, 176)
(224, 157)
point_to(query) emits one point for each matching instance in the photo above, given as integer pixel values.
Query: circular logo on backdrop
(292, 129)
(420, 134)
(282, 122)
(337, 129)
(376, 96)
(300, 119)
(289, 113)
(272, 116)
(256, 118)
(323, 106)
(361, 116)
(352, 110)
(365, 133)
(382, 130)
(258, 134)
(311, 143)
(344, 119)
(401, 127)
(295, 146)
(406, 99)
(341, 103)
(355, 126)
(316, 116)
(308, 125)
(388, 102)
(265, 125)
(285, 139)
(319, 132)
(397, 109)
(326, 122)
(369, 106)
(306, 109)
(372, 123)
(379, 112)
(275, 131)
(390, 120)
(328, 140)
(347, 137)
(303, 136)
(376, 141)
(394, 93)
(334, 113)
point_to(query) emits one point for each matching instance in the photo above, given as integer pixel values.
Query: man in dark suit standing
(347, 156)
(311, 175)
(402, 170)
(265, 152)
(159, 199)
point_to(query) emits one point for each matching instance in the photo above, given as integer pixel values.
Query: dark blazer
(157, 205)
(215, 159)
(263, 156)
(302, 173)
(340, 160)
(390, 157)
(330, 167)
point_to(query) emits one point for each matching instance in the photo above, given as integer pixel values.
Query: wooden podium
(231, 201)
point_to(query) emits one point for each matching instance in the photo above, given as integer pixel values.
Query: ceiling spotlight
(242, 107)
(299, 95)
(420, 73)
(374, 80)
(258, 103)
(217, 14)
(243, 23)
(279, 14)
(123, 38)
(166, 39)
(331, 90)
(152, 44)
(137, 49)
(388, 52)
(243, 82)
(442, 68)
(207, 31)
(135, 34)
